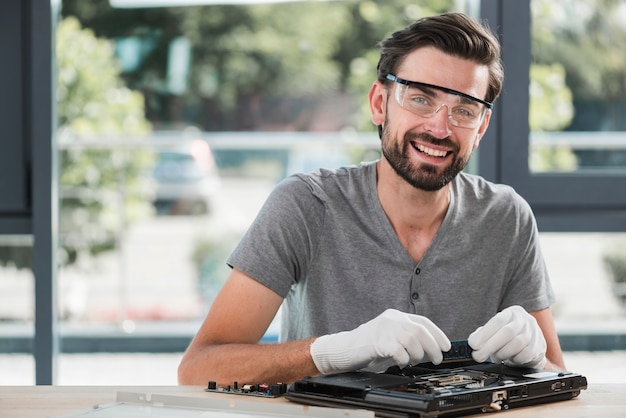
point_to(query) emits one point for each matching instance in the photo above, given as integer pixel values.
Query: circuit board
(264, 390)
(447, 382)
(460, 351)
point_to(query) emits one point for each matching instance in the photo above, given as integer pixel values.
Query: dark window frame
(562, 202)
(29, 173)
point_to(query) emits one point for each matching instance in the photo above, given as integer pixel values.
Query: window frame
(562, 202)
(29, 186)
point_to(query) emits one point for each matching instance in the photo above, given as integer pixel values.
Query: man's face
(428, 152)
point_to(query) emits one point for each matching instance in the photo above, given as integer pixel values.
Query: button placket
(414, 293)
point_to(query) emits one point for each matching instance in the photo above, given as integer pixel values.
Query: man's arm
(554, 355)
(227, 349)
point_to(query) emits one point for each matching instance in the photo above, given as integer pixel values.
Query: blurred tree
(248, 60)
(358, 54)
(578, 80)
(587, 38)
(258, 67)
(268, 67)
(551, 109)
(100, 188)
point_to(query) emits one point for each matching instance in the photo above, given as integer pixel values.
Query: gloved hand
(511, 337)
(392, 338)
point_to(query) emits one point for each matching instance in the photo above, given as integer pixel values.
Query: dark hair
(453, 33)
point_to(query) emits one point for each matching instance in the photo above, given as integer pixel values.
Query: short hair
(453, 33)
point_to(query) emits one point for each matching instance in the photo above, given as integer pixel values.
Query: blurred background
(175, 123)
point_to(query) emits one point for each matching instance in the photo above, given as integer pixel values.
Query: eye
(465, 113)
(419, 100)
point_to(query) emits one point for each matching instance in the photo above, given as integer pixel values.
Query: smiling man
(387, 262)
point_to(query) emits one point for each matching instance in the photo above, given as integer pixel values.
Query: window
(569, 167)
(218, 103)
(579, 206)
(183, 119)
(577, 105)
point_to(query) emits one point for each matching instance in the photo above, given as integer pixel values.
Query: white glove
(511, 337)
(392, 338)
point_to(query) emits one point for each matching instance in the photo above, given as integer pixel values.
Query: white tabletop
(599, 400)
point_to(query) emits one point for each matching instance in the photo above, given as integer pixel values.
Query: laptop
(458, 386)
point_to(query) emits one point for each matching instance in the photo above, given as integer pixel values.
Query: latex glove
(511, 337)
(392, 338)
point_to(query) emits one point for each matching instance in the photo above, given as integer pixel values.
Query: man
(386, 262)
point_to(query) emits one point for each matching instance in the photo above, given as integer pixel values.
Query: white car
(186, 179)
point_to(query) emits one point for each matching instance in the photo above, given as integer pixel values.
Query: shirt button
(417, 270)
(415, 295)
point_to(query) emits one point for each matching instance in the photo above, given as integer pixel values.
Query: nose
(439, 123)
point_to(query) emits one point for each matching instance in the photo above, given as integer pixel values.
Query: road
(152, 275)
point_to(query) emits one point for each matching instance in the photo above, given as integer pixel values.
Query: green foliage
(97, 184)
(259, 67)
(552, 159)
(101, 186)
(276, 48)
(563, 33)
(251, 58)
(92, 99)
(373, 21)
(568, 30)
(551, 107)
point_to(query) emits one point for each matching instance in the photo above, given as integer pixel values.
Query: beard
(425, 176)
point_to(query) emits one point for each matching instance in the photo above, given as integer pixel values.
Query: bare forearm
(247, 363)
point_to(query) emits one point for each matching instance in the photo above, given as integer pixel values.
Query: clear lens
(461, 112)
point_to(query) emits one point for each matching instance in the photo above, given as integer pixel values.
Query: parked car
(186, 179)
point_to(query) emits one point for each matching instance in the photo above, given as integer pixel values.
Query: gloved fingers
(475, 339)
(401, 357)
(393, 348)
(413, 345)
(392, 336)
(407, 345)
(383, 364)
(503, 341)
(479, 338)
(420, 346)
(430, 341)
(534, 353)
(411, 339)
(441, 340)
(516, 346)
(526, 356)
(432, 351)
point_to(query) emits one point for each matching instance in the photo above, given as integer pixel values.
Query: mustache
(427, 138)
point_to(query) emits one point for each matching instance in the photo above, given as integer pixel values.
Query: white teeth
(431, 152)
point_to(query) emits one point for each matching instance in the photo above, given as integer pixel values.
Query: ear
(483, 128)
(378, 102)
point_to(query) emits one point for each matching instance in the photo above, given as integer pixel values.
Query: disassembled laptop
(456, 386)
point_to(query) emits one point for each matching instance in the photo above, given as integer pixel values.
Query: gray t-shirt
(324, 243)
